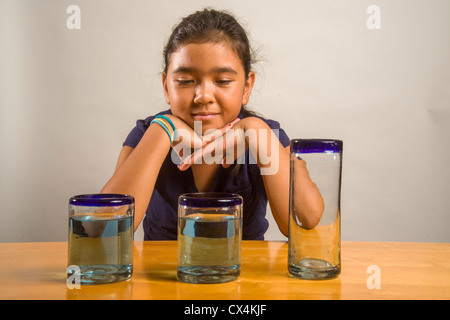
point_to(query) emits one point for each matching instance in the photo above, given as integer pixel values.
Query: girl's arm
(137, 169)
(274, 163)
(276, 180)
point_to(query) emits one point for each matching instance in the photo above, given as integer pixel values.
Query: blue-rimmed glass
(314, 250)
(100, 238)
(209, 237)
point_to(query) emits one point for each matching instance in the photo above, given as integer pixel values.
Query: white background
(70, 97)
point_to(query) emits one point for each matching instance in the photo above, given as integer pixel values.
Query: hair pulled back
(210, 26)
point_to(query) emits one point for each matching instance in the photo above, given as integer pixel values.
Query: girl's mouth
(202, 116)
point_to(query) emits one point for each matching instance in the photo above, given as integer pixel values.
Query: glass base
(314, 269)
(208, 274)
(102, 274)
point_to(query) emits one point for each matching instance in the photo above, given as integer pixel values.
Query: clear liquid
(209, 248)
(101, 246)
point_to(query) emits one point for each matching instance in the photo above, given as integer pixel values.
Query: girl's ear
(248, 87)
(166, 90)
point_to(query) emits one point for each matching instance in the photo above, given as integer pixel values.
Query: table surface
(37, 270)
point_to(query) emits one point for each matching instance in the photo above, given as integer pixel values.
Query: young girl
(207, 80)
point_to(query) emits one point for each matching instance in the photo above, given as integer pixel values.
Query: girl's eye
(224, 82)
(183, 82)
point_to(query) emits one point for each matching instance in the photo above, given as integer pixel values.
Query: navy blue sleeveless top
(160, 221)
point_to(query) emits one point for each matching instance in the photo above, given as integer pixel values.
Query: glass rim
(210, 199)
(101, 199)
(316, 146)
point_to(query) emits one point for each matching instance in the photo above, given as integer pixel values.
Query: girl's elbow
(284, 231)
(310, 217)
(310, 222)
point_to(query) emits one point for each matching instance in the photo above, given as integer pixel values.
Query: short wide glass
(314, 252)
(100, 238)
(209, 237)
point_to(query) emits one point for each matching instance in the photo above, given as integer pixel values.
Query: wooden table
(406, 270)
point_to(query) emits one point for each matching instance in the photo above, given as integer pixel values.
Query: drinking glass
(315, 252)
(100, 238)
(209, 237)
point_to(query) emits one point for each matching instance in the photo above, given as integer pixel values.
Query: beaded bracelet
(166, 128)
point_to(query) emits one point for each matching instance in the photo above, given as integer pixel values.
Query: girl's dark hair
(210, 25)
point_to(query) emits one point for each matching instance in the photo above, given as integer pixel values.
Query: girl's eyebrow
(224, 70)
(183, 69)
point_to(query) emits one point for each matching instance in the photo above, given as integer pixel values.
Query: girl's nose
(204, 94)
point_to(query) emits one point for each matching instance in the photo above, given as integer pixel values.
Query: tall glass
(314, 252)
(101, 238)
(209, 237)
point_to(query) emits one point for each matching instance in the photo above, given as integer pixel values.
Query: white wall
(70, 97)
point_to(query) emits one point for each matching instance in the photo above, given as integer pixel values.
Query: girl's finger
(234, 147)
(226, 163)
(207, 149)
(220, 141)
(219, 132)
(188, 161)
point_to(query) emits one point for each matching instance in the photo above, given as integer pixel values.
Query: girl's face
(206, 82)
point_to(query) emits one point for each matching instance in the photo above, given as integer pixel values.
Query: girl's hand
(187, 139)
(222, 146)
